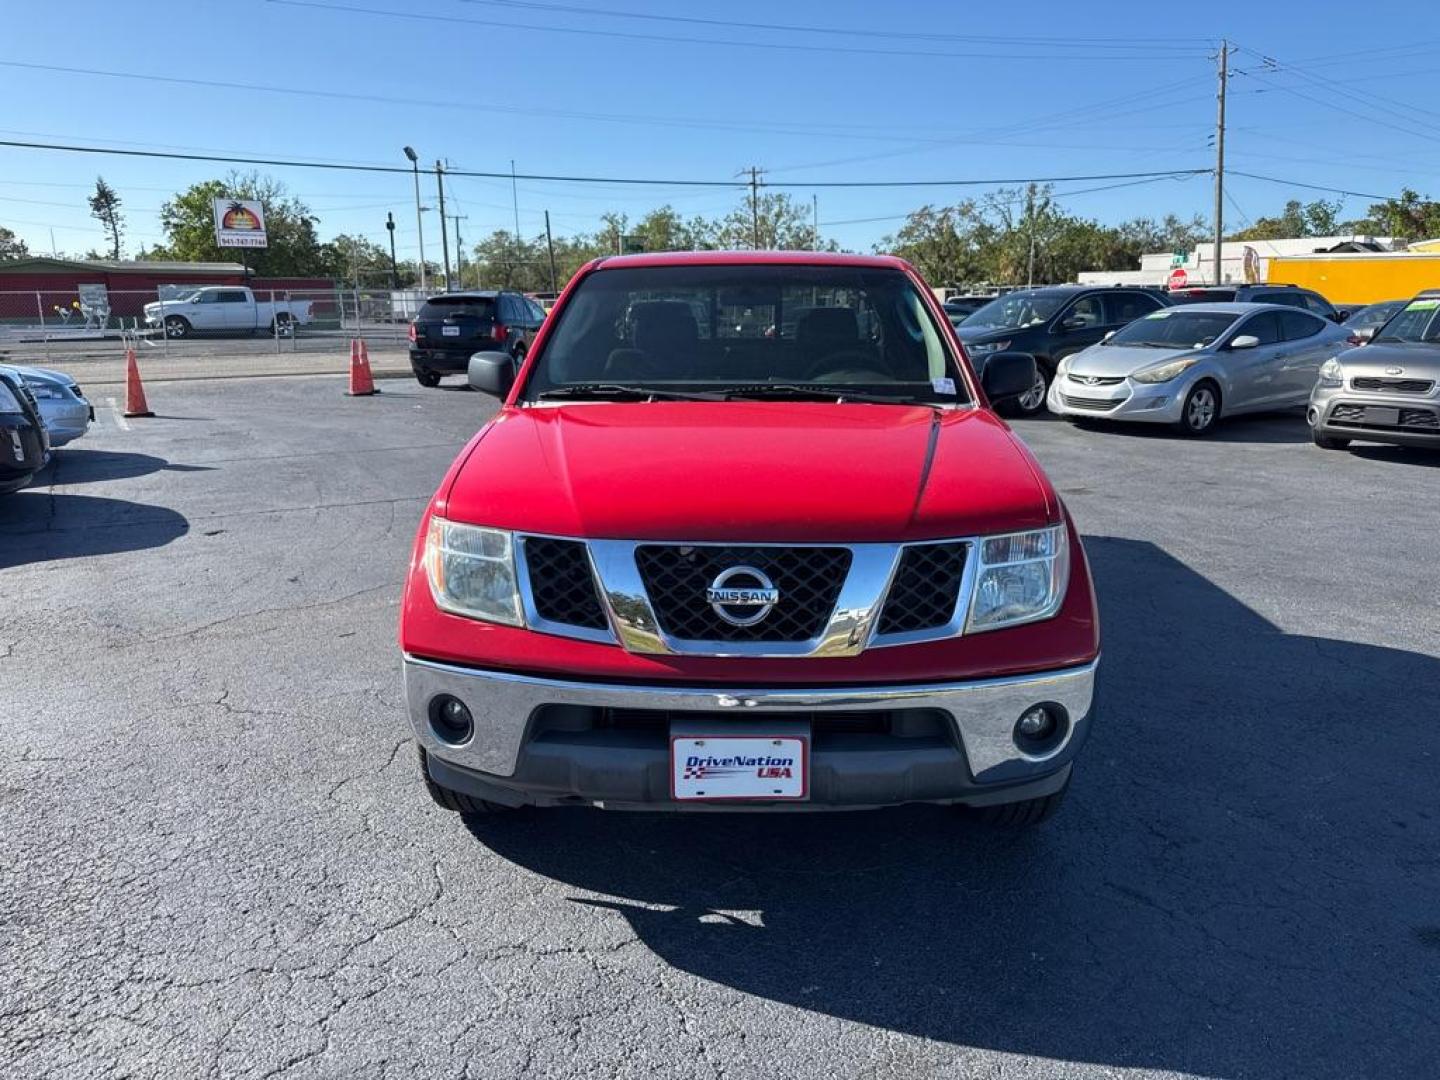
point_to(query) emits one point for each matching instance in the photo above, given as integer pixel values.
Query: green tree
(354, 259)
(105, 208)
(1319, 218)
(783, 225)
(11, 246)
(189, 224)
(1410, 217)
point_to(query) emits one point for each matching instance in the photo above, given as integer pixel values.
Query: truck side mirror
(491, 373)
(1008, 375)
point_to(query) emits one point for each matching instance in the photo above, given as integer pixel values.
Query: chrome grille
(925, 590)
(1090, 404)
(676, 576)
(1097, 380)
(562, 587)
(1398, 386)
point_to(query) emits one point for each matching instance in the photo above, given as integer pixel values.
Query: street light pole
(419, 220)
(394, 266)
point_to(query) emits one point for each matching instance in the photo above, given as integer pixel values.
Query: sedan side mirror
(1008, 375)
(491, 373)
(1244, 341)
(1108, 335)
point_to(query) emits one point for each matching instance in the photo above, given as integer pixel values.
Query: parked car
(449, 328)
(1387, 391)
(1364, 320)
(225, 309)
(807, 569)
(958, 308)
(1287, 295)
(1190, 366)
(24, 445)
(63, 408)
(1050, 324)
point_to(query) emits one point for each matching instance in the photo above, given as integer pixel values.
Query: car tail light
(499, 331)
(412, 332)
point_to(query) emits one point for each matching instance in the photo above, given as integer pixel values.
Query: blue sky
(922, 90)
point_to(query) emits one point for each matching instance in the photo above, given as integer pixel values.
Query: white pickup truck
(225, 309)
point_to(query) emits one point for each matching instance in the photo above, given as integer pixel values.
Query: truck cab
(746, 532)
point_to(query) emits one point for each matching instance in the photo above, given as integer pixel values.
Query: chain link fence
(53, 326)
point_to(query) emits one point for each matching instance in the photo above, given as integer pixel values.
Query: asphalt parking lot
(217, 859)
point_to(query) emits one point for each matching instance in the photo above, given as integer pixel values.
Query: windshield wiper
(622, 392)
(818, 392)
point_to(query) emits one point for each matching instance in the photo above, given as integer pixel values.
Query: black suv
(1050, 323)
(452, 327)
(24, 444)
(1289, 295)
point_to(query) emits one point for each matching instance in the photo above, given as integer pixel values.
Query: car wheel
(458, 802)
(1325, 442)
(1022, 814)
(1032, 402)
(427, 378)
(176, 327)
(1201, 409)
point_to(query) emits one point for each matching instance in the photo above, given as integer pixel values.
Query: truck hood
(753, 471)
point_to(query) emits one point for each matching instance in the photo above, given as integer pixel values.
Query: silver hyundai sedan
(1189, 366)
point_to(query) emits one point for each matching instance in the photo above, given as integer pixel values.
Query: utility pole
(394, 266)
(459, 249)
(550, 243)
(815, 221)
(1030, 214)
(444, 235)
(754, 208)
(515, 200)
(1220, 160)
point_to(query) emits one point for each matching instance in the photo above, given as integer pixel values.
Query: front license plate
(450, 331)
(720, 767)
(1382, 416)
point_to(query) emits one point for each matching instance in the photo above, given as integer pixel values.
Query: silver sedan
(63, 408)
(1189, 366)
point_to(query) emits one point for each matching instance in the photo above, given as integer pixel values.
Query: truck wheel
(457, 801)
(1023, 814)
(282, 326)
(176, 327)
(1325, 442)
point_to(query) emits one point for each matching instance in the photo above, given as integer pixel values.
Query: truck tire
(467, 806)
(176, 326)
(1023, 814)
(282, 326)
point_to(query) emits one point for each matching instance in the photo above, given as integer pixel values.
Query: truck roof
(752, 258)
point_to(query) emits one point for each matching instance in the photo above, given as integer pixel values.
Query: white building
(1241, 261)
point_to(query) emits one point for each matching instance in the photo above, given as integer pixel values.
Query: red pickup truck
(747, 534)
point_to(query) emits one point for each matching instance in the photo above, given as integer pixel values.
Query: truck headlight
(472, 571)
(1165, 372)
(1021, 578)
(1332, 375)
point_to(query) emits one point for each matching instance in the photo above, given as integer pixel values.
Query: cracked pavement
(217, 859)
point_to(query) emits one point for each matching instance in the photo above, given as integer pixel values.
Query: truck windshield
(1420, 321)
(806, 332)
(1174, 329)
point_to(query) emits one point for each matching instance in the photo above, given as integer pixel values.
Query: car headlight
(986, 348)
(1332, 374)
(45, 391)
(1022, 577)
(1165, 372)
(472, 571)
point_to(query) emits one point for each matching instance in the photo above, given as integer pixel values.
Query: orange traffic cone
(362, 383)
(135, 403)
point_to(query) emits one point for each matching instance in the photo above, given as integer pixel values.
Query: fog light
(451, 719)
(1036, 723)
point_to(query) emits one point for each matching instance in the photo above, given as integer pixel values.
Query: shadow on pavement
(1399, 455)
(39, 527)
(72, 465)
(1277, 427)
(1242, 883)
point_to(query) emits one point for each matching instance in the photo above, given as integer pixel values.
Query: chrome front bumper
(983, 713)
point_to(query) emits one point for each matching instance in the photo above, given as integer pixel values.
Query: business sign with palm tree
(239, 223)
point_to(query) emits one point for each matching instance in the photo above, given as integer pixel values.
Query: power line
(868, 32)
(491, 24)
(1314, 187)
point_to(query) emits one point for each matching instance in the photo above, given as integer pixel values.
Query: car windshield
(1175, 329)
(1016, 309)
(1418, 321)
(1373, 315)
(448, 307)
(806, 332)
